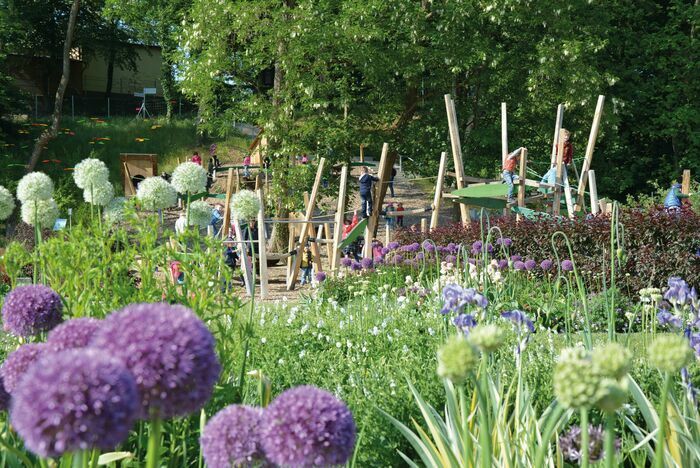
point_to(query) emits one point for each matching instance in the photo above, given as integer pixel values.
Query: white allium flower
(41, 212)
(89, 172)
(200, 213)
(245, 205)
(7, 203)
(100, 194)
(190, 178)
(114, 211)
(156, 193)
(35, 186)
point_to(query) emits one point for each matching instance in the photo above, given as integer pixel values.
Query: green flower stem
(153, 454)
(552, 422)
(661, 434)
(466, 436)
(610, 440)
(484, 426)
(585, 438)
(17, 453)
(187, 215)
(95, 458)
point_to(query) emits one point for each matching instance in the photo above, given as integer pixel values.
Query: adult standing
(391, 181)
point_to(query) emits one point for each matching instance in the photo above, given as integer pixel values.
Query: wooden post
(437, 197)
(362, 153)
(315, 251)
(304, 235)
(257, 182)
(246, 266)
(386, 162)
(685, 185)
(593, 191)
(504, 133)
(290, 246)
(456, 152)
(603, 206)
(262, 246)
(339, 216)
(238, 180)
(589, 154)
(424, 225)
(129, 182)
(226, 226)
(558, 156)
(522, 176)
(328, 237)
(387, 235)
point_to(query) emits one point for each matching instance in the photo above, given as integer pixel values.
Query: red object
(347, 229)
(568, 153)
(304, 159)
(197, 159)
(174, 271)
(246, 161)
(510, 163)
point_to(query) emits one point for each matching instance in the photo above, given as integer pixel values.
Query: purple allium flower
(170, 352)
(393, 245)
(385, 250)
(398, 259)
(379, 260)
(451, 259)
(477, 247)
(667, 318)
(4, 397)
(415, 247)
(321, 276)
(567, 265)
(32, 309)
(75, 400)
(518, 265)
(75, 333)
(515, 258)
(520, 319)
(504, 241)
(471, 261)
(428, 246)
(420, 256)
(346, 262)
(367, 263)
(409, 262)
(231, 437)
(307, 426)
(546, 265)
(530, 265)
(355, 266)
(464, 322)
(18, 362)
(502, 264)
(570, 443)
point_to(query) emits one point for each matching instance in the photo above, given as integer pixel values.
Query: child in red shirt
(399, 219)
(509, 171)
(196, 158)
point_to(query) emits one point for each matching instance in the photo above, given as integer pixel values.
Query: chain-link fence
(106, 107)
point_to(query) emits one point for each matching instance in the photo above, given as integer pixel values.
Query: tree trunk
(166, 82)
(110, 72)
(51, 132)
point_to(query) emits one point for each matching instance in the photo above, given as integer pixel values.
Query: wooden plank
(593, 192)
(328, 237)
(238, 180)
(386, 162)
(129, 182)
(304, 235)
(315, 251)
(339, 215)
(504, 133)
(583, 177)
(290, 248)
(417, 211)
(226, 226)
(685, 184)
(246, 265)
(521, 182)
(262, 247)
(362, 153)
(423, 225)
(456, 153)
(437, 197)
(559, 157)
(387, 235)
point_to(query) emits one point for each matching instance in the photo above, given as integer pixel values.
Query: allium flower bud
(488, 338)
(32, 309)
(670, 353)
(546, 265)
(200, 212)
(613, 394)
(576, 383)
(99, 195)
(612, 360)
(41, 213)
(321, 276)
(90, 171)
(114, 211)
(232, 438)
(18, 362)
(74, 333)
(7, 203)
(156, 193)
(456, 359)
(35, 186)
(245, 205)
(190, 178)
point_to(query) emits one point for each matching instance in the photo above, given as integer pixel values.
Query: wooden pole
(246, 266)
(504, 133)
(304, 235)
(315, 251)
(593, 191)
(362, 153)
(386, 162)
(290, 247)
(522, 175)
(238, 180)
(338, 228)
(558, 156)
(129, 182)
(424, 225)
(557, 127)
(456, 153)
(437, 197)
(262, 247)
(226, 227)
(329, 242)
(685, 185)
(387, 235)
(589, 154)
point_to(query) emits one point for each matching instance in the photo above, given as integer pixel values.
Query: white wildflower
(99, 195)
(190, 178)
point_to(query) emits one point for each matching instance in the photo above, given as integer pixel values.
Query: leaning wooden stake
(456, 153)
(593, 191)
(304, 235)
(338, 227)
(437, 197)
(522, 175)
(329, 241)
(246, 265)
(226, 226)
(290, 247)
(262, 247)
(583, 178)
(386, 162)
(504, 133)
(315, 250)
(559, 157)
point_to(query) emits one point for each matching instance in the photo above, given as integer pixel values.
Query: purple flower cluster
(530, 265)
(411, 248)
(515, 258)
(18, 363)
(428, 246)
(75, 333)
(367, 263)
(170, 352)
(393, 245)
(321, 276)
(75, 400)
(32, 309)
(504, 241)
(567, 265)
(355, 265)
(502, 264)
(518, 265)
(519, 319)
(451, 259)
(667, 318)
(570, 443)
(455, 298)
(307, 426)
(546, 265)
(346, 262)
(680, 294)
(232, 437)
(464, 322)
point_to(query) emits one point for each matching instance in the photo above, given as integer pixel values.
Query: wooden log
(559, 156)
(437, 197)
(583, 177)
(456, 153)
(303, 236)
(226, 226)
(685, 184)
(262, 247)
(362, 153)
(387, 235)
(328, 237)
(504, 133)
(238, 180)
(417, 211)
(593, 189)
(338, 227)
(290, 248)
(386, 162)
(315, 251)
(521, 181)
(423, 225)
(246, 265)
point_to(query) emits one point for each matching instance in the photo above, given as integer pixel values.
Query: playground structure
(134, 168)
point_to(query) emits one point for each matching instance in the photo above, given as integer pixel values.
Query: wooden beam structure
(315, 251)
(456, 153)
(262, 247)
(386, 162)
(246, 265)
(685, 184)
(593, 192)
(559, 158)
(521, 181)
(583, 177)
(226, 226)
(339, 215)
(504, 133)
(304, 235)
(437, 197)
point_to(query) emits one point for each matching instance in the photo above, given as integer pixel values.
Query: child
(377, 248)
(348, 225)
(217, 218)
(306, 265)
(390, 219)
(196, 158)
(509, 171)
(391, 181)
(246, 166)
(366, 180)
(550, 177)
(181, 224)
(399, 219)
(304, 159)
(672, 202)
(230, 259)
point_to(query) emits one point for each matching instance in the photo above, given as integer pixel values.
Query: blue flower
(520, 319)
(455, 298)
(678, 293)
(667, 318)
(464, 322)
